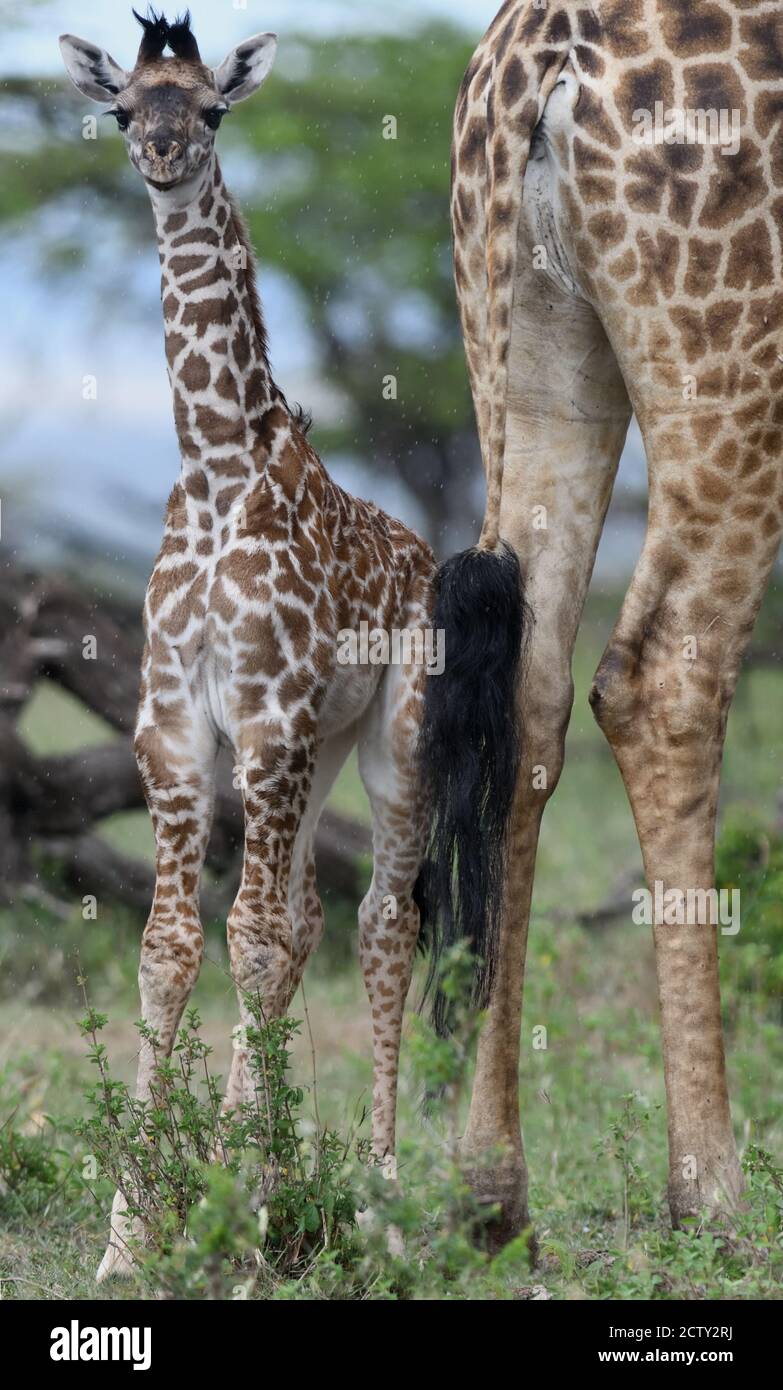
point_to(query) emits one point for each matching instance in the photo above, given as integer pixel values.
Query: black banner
(153, 1338)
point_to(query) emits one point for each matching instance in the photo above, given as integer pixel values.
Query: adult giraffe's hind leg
(568, 413)
(662, 695)
(178, 777)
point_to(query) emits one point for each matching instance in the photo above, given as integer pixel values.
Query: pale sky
(31, 29)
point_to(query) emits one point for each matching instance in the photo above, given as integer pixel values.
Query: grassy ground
(597, 1159)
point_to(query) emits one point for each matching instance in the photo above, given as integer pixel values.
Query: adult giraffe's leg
(568, 414)
(662, 695)
(178, 777)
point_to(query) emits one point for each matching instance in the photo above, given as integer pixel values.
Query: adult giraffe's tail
(471, 736)
(469, 756)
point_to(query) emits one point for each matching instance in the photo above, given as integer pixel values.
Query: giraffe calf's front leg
(179, 795)
(171, 953)
(277, 765)
(260, 952)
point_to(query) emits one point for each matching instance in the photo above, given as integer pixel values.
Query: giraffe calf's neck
(225, 401)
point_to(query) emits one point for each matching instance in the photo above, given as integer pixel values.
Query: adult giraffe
(597, 273)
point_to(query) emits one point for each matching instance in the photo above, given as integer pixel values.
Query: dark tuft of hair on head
(182, 40)
(159, 34)
(154, 38)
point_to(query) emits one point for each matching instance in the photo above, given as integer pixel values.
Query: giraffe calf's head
(168, 108)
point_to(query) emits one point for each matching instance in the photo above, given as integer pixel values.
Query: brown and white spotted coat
(659, 289)
(264, 561)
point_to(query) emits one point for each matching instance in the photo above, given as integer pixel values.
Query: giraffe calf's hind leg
(388, 916)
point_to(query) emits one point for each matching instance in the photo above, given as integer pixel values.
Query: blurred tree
(345, 179)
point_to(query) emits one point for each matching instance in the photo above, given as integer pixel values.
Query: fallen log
(49, 628)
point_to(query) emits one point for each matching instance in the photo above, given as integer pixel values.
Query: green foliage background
(359, 222)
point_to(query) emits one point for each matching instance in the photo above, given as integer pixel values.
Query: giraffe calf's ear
(92, 70)
(246, 67)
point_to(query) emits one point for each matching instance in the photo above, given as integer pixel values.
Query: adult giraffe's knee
(614, 694)
(546, 698)
(665, 684)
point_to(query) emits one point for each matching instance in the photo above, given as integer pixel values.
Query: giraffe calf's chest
(240, 638)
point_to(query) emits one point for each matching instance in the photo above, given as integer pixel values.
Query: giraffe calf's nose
(162, 147)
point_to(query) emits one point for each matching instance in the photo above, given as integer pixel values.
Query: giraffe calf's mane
(300, 417)
(251, 278)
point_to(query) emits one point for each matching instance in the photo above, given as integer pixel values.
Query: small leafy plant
(262, 1203)
(618, 1144)
(217, 1195)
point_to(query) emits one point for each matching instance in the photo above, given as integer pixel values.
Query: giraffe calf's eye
(122, 118)
(214, 116)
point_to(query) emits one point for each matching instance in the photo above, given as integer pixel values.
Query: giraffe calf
(264, 562)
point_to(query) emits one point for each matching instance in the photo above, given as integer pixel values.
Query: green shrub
(259, 1203)
(750, 858)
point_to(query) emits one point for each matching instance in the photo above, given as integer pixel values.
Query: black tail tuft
(469, 754)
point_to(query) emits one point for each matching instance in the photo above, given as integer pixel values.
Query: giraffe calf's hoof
(367, 1221)
(116, 1264)
(118, 1260)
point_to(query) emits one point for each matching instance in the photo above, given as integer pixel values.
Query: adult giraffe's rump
(600, 267)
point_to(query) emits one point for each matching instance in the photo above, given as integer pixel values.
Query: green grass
(596, 997)
(594, 990)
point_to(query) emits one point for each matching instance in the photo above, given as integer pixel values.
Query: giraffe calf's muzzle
(162, 160)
